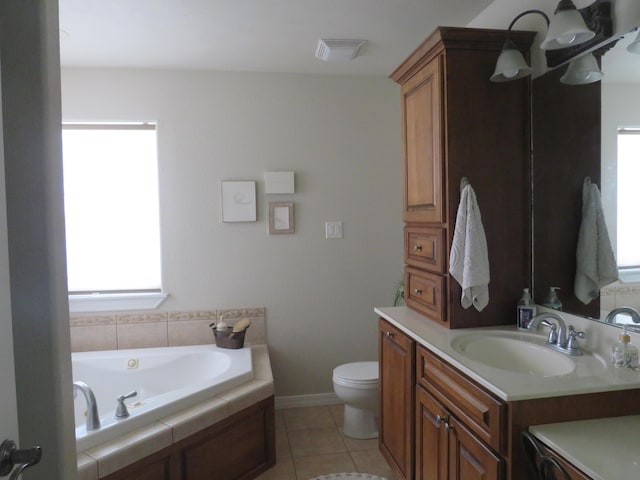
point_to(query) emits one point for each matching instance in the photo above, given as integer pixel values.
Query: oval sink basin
(514, 354)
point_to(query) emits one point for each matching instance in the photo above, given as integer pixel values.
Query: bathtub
(167, 380)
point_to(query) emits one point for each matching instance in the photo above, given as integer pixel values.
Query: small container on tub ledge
(230, 337)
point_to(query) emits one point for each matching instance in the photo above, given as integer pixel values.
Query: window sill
(112, 302)
(629, 275)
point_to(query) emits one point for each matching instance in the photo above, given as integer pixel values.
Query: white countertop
(604, 449)
(504, 384)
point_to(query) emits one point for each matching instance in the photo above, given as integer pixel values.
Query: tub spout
(93, 419)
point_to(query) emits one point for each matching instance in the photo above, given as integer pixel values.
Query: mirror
(574, 130)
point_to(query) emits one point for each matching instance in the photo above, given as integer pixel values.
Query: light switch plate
(333, 230)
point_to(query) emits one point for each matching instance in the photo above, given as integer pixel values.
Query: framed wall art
(239, 201)
(281, 218)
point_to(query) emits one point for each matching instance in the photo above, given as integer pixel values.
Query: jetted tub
(167, 380)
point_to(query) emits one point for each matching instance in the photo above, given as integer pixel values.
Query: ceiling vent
(338, 50)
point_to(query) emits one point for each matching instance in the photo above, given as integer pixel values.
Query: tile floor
(309, 442)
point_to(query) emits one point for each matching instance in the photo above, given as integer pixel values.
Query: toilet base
(360, 423)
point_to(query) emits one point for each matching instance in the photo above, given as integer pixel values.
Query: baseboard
(313, 400)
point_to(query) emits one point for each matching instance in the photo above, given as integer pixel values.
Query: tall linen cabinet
(455, 124)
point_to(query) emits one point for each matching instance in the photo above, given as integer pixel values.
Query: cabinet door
(423, 172)
(432, 445)
(397, 381)
(469, 458)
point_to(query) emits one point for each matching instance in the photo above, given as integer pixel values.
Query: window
(111, 214)
(628, 199)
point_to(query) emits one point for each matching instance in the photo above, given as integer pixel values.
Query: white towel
(469, 259)
(596, 265)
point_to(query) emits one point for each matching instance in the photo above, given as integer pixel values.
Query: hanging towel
(469, 260)
(596, 265)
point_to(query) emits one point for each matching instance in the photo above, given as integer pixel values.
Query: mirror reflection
(588, 131)
(620, 168)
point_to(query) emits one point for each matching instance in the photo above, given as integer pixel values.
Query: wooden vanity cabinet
(397, 386)
(456, 123)
(458, 425)
(436, 423)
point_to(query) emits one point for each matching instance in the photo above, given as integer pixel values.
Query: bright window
(628, 198)
(111, 208)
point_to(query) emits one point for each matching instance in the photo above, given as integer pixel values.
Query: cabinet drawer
(480, 411)
(425, 292)
(424, 248)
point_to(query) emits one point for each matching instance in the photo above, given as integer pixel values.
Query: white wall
(341, 136)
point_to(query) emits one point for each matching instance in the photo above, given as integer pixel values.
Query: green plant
(398, 298)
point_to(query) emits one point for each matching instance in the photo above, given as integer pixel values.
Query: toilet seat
(357, 375)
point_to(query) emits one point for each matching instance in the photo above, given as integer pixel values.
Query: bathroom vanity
(604, 449)
(449, 411)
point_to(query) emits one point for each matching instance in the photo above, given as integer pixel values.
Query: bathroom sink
(517, 353)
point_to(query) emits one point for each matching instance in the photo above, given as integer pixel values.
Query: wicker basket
(228, 338)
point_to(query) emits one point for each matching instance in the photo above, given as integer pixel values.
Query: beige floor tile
(337, 412)
(316, 441)
(372, 462)
(283, 450)
(283, 470)
(279, 416)
(308, 417)
(309, 467)
(357, 444)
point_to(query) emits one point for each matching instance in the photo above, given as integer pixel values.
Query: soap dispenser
(552, 300)
(526, 310)
(623, 354)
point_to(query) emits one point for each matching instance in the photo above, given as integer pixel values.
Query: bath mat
(348, 476)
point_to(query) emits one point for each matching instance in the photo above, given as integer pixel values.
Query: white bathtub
(167, 380)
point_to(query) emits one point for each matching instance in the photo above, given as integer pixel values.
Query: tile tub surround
(122, 330)
(107, 458)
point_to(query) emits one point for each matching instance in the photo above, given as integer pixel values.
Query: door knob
(11, 456)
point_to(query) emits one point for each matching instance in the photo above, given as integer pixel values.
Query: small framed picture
(281, 218)
(239, 201)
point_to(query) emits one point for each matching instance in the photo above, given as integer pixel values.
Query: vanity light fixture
(567, 28)
(582, 71)
(634, 47)
(511, 64)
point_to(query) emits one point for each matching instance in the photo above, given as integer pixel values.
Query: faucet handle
(121, 410)
(553, 331)
(572, 343)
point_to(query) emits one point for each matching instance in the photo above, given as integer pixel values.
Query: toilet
(356, 384)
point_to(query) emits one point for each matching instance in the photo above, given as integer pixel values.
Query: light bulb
(566, 39)
(510, 73)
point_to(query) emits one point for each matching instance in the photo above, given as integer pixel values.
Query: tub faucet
(93, 419)
(632, 312)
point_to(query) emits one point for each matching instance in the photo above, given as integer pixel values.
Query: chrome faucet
(632, 312)
(93, 419)
(560, 338)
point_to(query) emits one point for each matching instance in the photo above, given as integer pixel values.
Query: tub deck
(107, 458)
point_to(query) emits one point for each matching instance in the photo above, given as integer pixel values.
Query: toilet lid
(360, 372)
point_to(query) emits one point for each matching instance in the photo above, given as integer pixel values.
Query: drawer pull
(417, 291)
(417, 248)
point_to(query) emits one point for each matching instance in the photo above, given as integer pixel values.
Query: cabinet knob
(417, 291)
(448, 427)
(417, 247)
(438, 419)
(389, 334)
